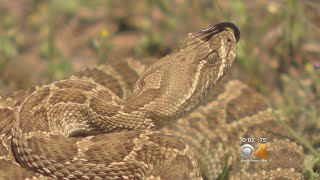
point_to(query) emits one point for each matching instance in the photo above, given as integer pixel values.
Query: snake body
(110, 122)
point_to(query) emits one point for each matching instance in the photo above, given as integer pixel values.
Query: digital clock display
(247, 140)
(253, 149)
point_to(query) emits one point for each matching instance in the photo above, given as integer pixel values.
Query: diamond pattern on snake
(174, 118)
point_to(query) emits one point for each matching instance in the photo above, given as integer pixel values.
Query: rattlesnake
(110, 121)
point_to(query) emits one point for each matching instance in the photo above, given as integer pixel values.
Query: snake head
(214, 49)
(177, 83)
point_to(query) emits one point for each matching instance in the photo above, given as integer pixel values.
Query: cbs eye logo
(246, 151)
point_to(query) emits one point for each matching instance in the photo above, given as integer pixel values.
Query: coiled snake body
(99, 124)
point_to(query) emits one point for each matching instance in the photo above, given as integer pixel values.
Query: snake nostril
(228, 25)
(228, 40)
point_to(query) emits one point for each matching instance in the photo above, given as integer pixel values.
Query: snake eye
(228, 40)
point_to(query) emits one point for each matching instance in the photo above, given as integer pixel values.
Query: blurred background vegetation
(278, 53)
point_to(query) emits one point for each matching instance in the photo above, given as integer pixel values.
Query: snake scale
(168, 119)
